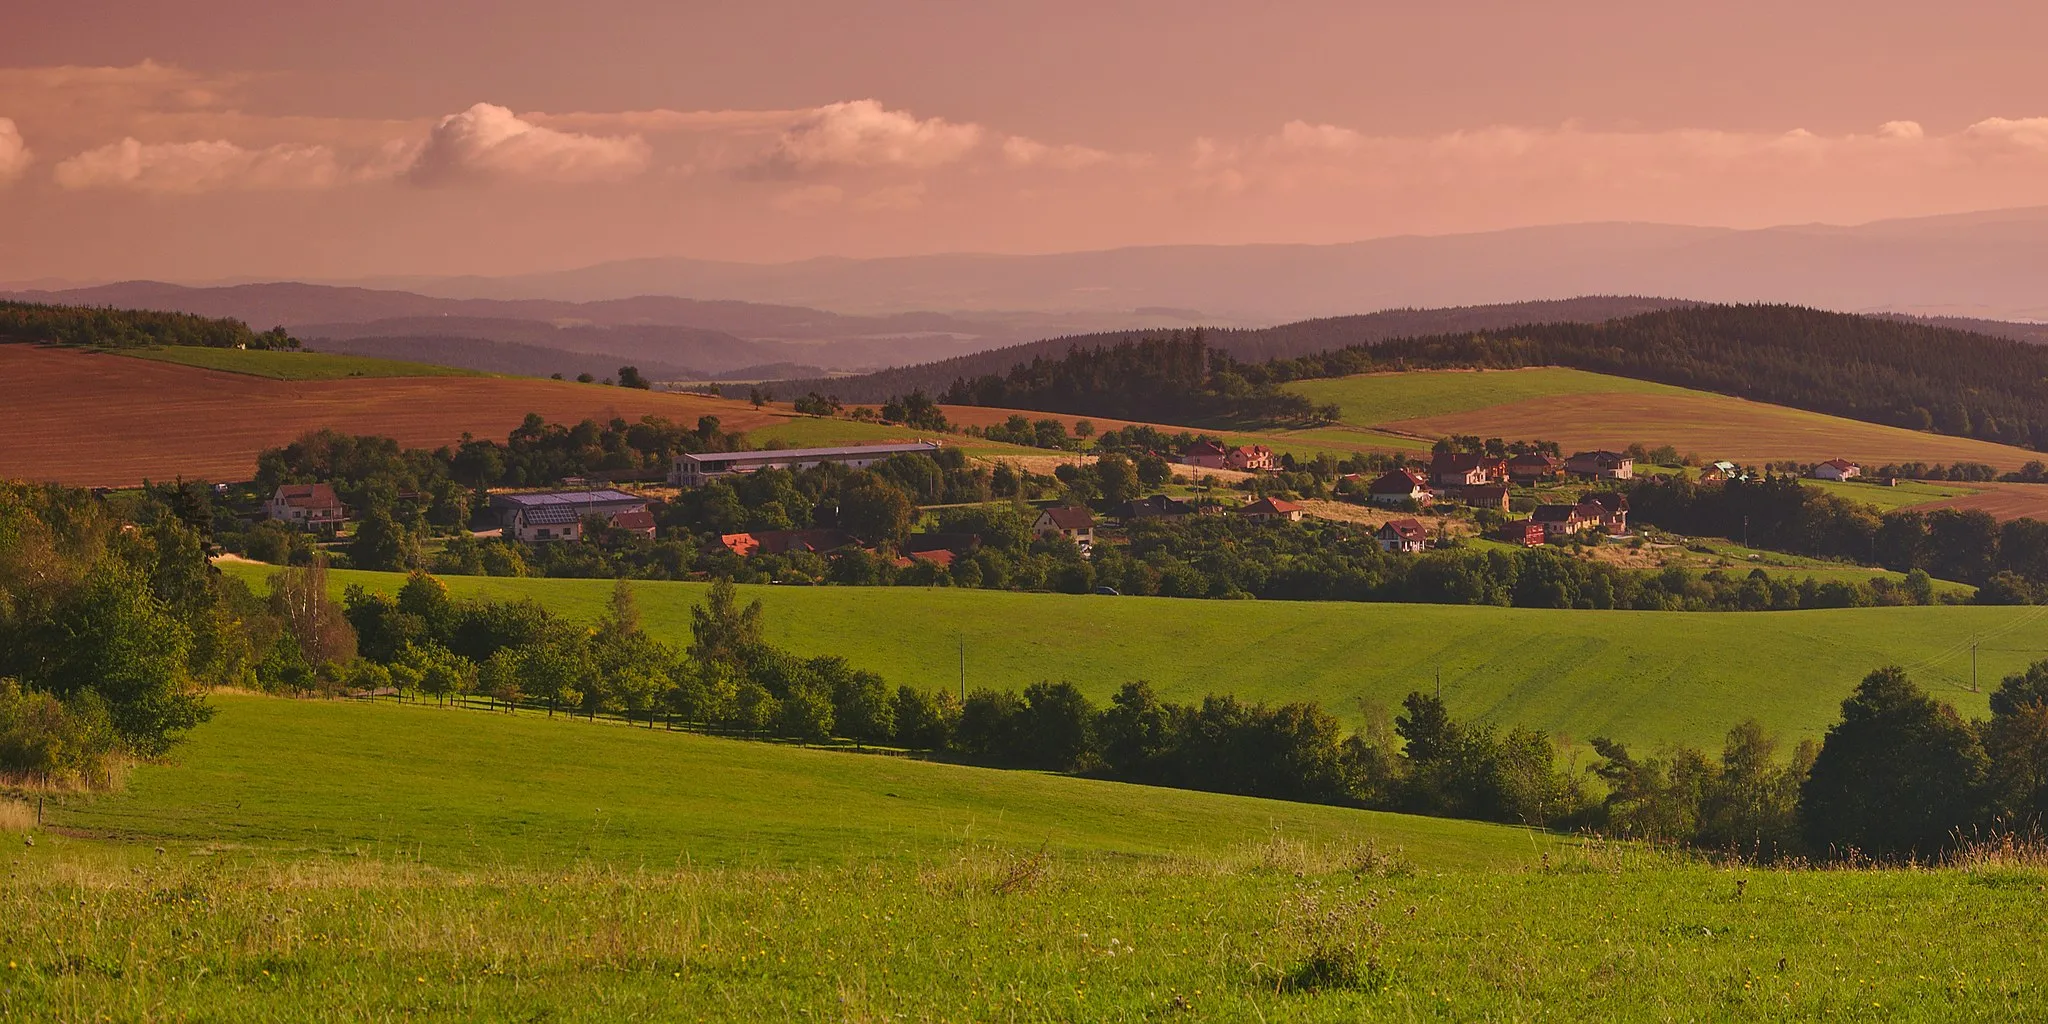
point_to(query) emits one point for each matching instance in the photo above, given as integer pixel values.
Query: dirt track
(90, 419)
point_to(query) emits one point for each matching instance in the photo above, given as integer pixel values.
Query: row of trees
(1174, 377)
(130, 328)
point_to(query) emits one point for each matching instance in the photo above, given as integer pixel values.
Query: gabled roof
(1612, 501)
(1603, 455)
(1251, 449)
(1269, 507)
(779, 542)
(1555, 513)
(1534, 459)
(919, 543)
(549, 515)
(1843, 464)
(1070, 517)
(1395, 481)
(1405, 529)
(1204, 448)
(1158, 505)
(633, 519)
(565, 499)
(307, 495)
(1460, 462)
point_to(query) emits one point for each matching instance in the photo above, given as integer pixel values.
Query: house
(1527, 532)
(1266, 510)
(1609, 509)
(1158, 506)
(1406, 536)
(1560, 520)
(1397, 487)
(949, 543)
(1493, 496)
(691, 469)
(782, 542)
(1205, 454)
(1601, 465)
(558, 515)
(307, 506)
(636, 521)
(1465, 469)
(1251, 458)
(1073, 522)
(1719, 472)
(1533, 468)
(1837, 470)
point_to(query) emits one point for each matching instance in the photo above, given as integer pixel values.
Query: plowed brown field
(91, 419)
(2003, 501)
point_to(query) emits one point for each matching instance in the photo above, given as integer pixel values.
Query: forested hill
(1248, 345)
(1880, 370)
(128, 328)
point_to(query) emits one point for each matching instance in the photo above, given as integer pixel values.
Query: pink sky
(211, 139)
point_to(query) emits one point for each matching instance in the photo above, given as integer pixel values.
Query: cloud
(14, 154)
(864, 134)
(488, 142)
(1019, 151)
(190, 167)
(2027, 133)
(82, 91)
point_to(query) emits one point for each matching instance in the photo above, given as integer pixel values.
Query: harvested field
(2003, 501)
(1368, 515)
(91, 419)
(1715, 427)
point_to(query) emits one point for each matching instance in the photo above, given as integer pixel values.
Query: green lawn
(1389, 397)
(312, 861)
(293, 365)
(1644, 677)
(1907, 492)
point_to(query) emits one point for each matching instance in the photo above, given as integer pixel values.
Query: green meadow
(1390, 397)
(315, 861)
(281, 365)
(1640, 677)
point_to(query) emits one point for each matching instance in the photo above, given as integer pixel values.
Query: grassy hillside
(284, 365)
(474, 789)
(1644, 677)
(1584, 410)
(307, 861)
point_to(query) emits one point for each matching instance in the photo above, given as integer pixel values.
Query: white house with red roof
(1837, 470)
(307, 506)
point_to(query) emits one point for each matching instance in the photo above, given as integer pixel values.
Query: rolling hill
(1642, 677)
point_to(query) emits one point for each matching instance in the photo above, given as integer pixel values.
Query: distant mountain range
(1985, 265)
(666, 336)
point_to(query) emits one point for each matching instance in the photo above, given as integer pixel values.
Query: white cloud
(489, 142)
(863, 133)
(2026, 133)
(1019, 151)
(188, 167)
(1904, 131)
(14, 154)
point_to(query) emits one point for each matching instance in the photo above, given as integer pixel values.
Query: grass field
(1642, 677)
(1907, 493)
(293, 365)
(303, 861)
(1588, 410)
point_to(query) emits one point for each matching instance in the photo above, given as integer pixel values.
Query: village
(1528, 499)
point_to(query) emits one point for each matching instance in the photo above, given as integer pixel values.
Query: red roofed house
(1564, 519)
(1397, 486)
(636, 521)
(1609, 508)
(782, 542)
(1402, 535)
(1526, 532)
(1266, 510)
(1073, 522)
(308, 506)
(1533, 467)
(1602, 464)
(1465, 469)
(1251, 458)
(1205, 454)
(1837, 470)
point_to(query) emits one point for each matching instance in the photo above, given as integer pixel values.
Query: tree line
(130, 328)
(1173, 377)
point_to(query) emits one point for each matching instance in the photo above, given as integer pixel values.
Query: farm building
(1533, 468)
(1601, 465)
(1073, 522)
(558, 515)
(1719, 472)
(1158, 506)
(1205, 455)
(1406, 536)
(1465, 469)
(1527, 532)
(782, 542)
(1396, 487)
(1250, 458)
(1266, 510)
(1493, 496)
(1837, 470)
(694, 468)
(308, 506)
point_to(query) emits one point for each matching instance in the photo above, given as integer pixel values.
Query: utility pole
(1973, 664)
(1439, 682)
(963, 670)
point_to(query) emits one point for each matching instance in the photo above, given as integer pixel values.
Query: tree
(862, 708)
(1896, 777)
(629, 377)
(721, 631)
(873, 509)
(1056, 728)
(299, 597)
(383, 544)
(2016, 739)
(1117, 478)
(805, 713)
(925, 719)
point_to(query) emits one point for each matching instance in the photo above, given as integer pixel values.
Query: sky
(220, 139)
